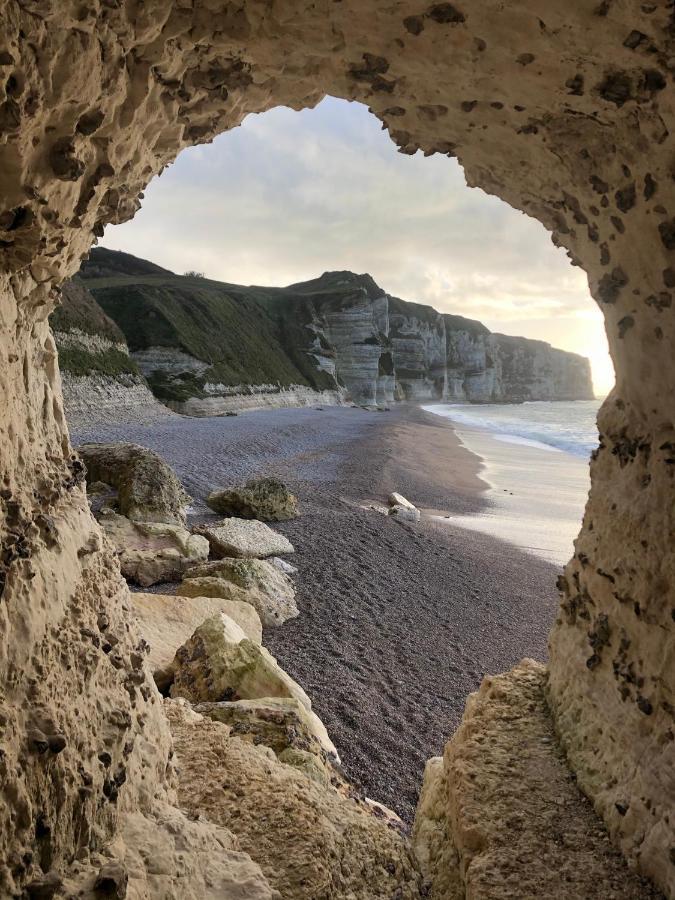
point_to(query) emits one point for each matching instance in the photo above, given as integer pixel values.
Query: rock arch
(565, 111)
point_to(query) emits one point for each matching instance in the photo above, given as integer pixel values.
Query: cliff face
(533, 370)
(206, 348)
(483, 367)
(100, 381)
(418, 341)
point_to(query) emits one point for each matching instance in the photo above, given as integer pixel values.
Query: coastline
(535, 493)
(398, 622)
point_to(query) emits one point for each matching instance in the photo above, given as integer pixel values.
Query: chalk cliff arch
(565, 111)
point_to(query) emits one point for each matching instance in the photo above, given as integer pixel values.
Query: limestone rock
(283, 566)
(385, 814)
(311, 842)
(566, 114)
(358, 341)
(166, 855)
(254, 581)
(277, 722)
(402, 509)
(404, 513)
(147, 488)
(100, 399)
(151, 552)
(396, 499)
(242, 538)
(501, 817)
(482, 367)
(101, 383)
(267, 499)
(309, 764)
(433, 844)
(219, 663)
(167, 621)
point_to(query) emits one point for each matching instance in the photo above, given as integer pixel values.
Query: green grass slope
(79, 316)
(78, 311)
(236, 330)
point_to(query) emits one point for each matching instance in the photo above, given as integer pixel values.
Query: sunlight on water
(564, 426)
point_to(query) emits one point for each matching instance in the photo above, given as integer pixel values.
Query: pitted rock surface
(147, 488)
(243, 538)
(267, 499)
(256, 581)
(152, 552)
(311, 842)
(500, 816)
(281, 723)
(565, 111)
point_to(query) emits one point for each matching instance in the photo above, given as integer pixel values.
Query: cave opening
(284, 198)
(291, 194)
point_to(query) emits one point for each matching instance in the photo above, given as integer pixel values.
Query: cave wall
(564, 111)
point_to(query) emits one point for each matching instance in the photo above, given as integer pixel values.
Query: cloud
(289, 195)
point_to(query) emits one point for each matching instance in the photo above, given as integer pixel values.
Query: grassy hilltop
(246, 335)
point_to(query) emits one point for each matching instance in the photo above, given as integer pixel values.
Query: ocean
(564, 426)
(534, 461)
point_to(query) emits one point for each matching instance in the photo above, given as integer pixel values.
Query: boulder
(396, 499)
(311, 841)
(277, 722)
(254, 581)
(152, 552)
(147, 488)
(166, 621)
(220, 663)
(405, 513)
(402, 509)
(500, 816)
(266, 499)
(241, 538)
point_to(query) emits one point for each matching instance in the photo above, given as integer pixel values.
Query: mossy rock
(266, 499)
(270, 591)
(220, 663)
(147, 488)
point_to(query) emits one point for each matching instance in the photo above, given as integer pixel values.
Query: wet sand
(398, 622)
(536, 494)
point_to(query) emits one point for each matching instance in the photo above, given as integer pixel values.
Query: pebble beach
(398, 622)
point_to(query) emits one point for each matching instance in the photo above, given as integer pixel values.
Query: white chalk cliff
(336, 337)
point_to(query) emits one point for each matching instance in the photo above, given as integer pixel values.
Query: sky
(289, 195)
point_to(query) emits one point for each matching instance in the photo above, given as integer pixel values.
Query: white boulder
(243, 538)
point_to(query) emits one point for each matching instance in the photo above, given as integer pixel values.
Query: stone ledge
(501, 816)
